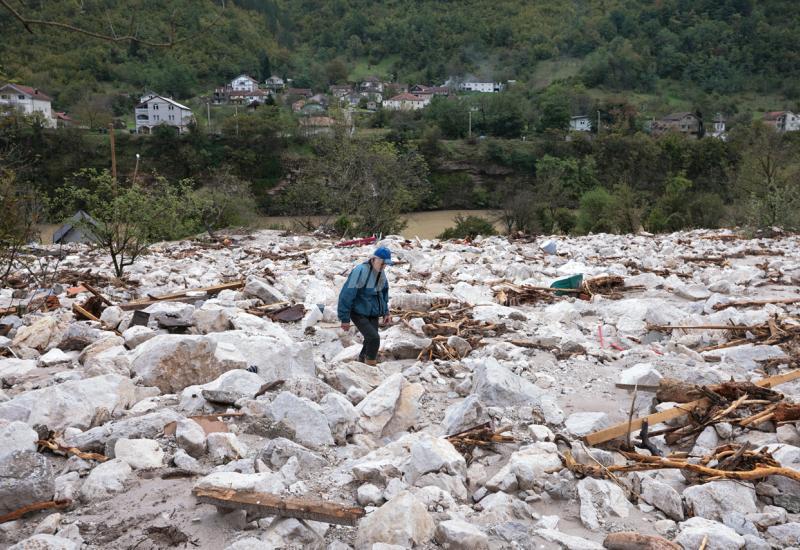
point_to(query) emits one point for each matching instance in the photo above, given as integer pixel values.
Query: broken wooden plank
(757, 303)
(97, 293)
(183, 295)
(77, 308)
(259, 505)
(623, 428)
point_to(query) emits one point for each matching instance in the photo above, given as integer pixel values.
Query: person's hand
(345, 326)
(387, 319)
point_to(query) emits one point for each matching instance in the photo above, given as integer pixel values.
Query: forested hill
(707, 46)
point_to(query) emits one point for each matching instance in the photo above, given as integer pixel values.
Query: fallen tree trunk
(209, 291)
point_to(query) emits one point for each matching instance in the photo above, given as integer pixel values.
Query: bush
(597, 212)
(224, 201)
(468, 227)
(564, 220)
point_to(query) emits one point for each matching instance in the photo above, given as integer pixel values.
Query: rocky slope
(311, 421)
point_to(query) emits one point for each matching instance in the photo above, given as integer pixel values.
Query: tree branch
(28, 23)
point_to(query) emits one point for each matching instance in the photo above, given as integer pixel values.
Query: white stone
(49, 525)
(40, 335)
(711, 500)
(264, 291)
(531, 463)
(16, 436)
(389, 408)
(45, 542)
(341, 414)
(267, 482)
(71, 403)
(457, 534)
(718, 537)
(112, 316)
(568, 541)
(106, 479)
(403, 520)
(140, 454)
(663, 497)
(304, 417)
(434, 454)
(136, 335)
(582, 423)
(223, 447)
(171, 314)
(369, 495)
(642, 374)
(495, 385)
(787, 534)
(541, 433)
(692, 292)
(13, 371)
(191, 437)
(56, 357)
(463, 415)
(600, 500)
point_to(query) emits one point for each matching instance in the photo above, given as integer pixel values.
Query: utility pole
(598, 122)
(113, 151)
(136, 169)
(469, 134)
(208, 110)
(236, 116)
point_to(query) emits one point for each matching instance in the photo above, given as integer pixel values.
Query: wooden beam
(259, 505)
(182, 296)
(623, 428)
(97, 293)
(77, 308)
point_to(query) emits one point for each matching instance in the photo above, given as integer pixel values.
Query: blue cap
(383, 253)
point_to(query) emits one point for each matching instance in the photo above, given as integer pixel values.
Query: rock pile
(203, 391)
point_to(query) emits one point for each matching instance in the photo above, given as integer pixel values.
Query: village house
(719, 130)
(248, 97)
(275, 83)
(391, 89)
(312, 109)
(483, 87)
(155, 110)
(432, 90)
(340, 90)
(27, 100)
(63, 120)
(243, 83)
(686, 123)
(299, 92)
(580, 123)
(316, 125)
(783, 121)
(371, 84)
(407, 102)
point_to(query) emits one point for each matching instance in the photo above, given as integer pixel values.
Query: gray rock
(582, 423)
(67, 486)
(171, 314)
(391, 407)
(304, 417)
(146, 426)
(411, 525)
(172, 362)
(40, 335)
(191, 437)
(16, 436)
(497, 386)
(279, 450)
(13, 371)
(369, 495)
(662, 496)
(434, 454)
(106, 480)
(224, 447)
(600, 500)
(570, 542)
(739, 523)
(25, 477)
(456, 534)
(460, 345)
(695, 530)
(294, 533)
(45, 542)
(712, 500)
(137, 335)
(71, 403)
(49, 525)
(753, 542)
(56, 357)
(643, 374)
(341, 414)
(787, 534)
(264, 291)
(208, 320)
(112, 316)
(463, 415)
(531, 463)
(79, 335)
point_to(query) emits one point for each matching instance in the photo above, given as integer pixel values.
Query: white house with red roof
(407, 102)
(155, 110)
(244, 83)
(28, 100)
(783, 121)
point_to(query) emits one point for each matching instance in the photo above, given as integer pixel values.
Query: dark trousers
(368, 327)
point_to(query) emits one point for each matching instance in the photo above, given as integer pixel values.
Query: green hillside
(722, 48)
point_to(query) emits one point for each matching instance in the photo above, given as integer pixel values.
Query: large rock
(146, 426)
(398, 343)
(717, 536)
(278, 451)
(140, 454)
(45, 542)
(25, 477)
(497, 386)
(600, 500)
(171, 314)
(40, 335)
(390, 408)
(294, 533)
(642, 374)
(531, 463)
(136, 335)
(571, 542)
(582, 423)
(212, 319)
(71, 403)
(341, 414)
(304, 418)
(662, 496)
(224, 447)
(16, 436)
(14, 371)
(787, 534)
(264, 291)
(456, 534)
(434, 454)
(360, 375)
(463, 415)
(712, 500)
(403, 521)
(235, 383)
(266, 482)
(190, 437)
(172, 362)
(106, 480)
(79, 335)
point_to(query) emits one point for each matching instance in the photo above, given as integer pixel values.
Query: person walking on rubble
(364, 300)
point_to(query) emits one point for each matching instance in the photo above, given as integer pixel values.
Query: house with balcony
(407, 102)
(243, 83)
(783, 121)
(155, 110)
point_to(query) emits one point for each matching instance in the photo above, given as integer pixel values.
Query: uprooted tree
(126, 218)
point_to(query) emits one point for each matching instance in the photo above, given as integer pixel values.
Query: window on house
(155, 106)
(170, 107)
(4, 96)
(20, 97)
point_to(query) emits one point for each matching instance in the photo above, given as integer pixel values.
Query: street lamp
(136, 168)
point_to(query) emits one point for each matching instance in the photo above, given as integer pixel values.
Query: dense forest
(708, 46)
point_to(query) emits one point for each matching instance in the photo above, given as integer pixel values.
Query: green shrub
(468, 227)
(598, 212)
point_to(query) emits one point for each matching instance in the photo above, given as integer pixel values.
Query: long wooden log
(97, 293)
(624, 428)
(209, 290)
(259, 505)
(756, 303)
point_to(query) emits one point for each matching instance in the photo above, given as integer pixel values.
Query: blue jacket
(365, 292)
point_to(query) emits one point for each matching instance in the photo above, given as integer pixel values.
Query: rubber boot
(371, 362)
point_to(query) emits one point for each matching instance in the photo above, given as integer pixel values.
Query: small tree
(468, 227)
(224, 201)
(598, 212)
(16, 222)
(128, 218)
